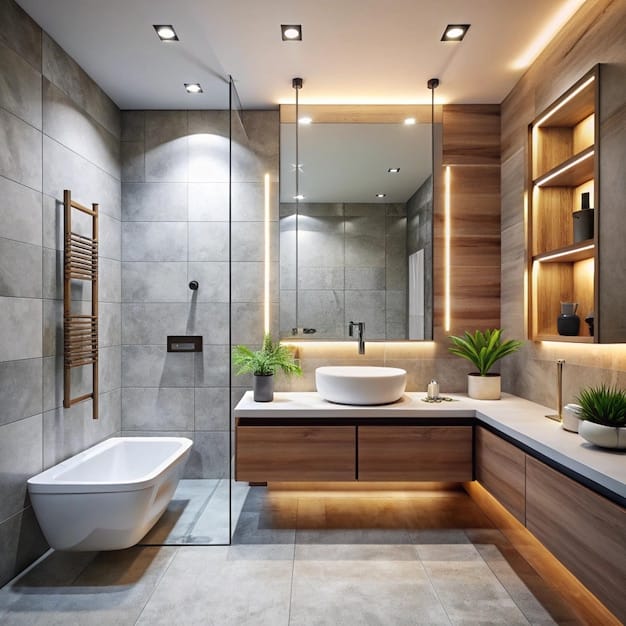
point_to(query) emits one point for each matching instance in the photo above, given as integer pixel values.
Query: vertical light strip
(266, 283)
(446, 261)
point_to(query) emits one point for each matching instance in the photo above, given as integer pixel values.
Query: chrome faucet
(361, 329)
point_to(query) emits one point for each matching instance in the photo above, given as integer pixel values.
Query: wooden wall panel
(471, 134)
(583, 530)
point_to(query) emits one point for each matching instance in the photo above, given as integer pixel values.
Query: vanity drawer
(295, 453)
(437, 453)
(501, 470)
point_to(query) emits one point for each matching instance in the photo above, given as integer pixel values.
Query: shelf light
(446, 239)
(557, 255)
(544, 180)
(267, 258)
(561, 104)
(409, 121)
(305, 120)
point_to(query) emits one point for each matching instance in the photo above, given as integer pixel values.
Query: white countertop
(520, 419)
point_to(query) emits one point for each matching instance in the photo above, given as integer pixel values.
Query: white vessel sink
(360, 384)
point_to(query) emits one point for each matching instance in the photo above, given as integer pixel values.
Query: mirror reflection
(357, 243)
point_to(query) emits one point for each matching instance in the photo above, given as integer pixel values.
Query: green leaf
(483, 349)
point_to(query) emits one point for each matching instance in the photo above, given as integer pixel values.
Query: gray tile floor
(297, 559)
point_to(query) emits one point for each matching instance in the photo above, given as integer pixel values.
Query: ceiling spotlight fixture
(305, 120)
(409, 121)
(291, 32)
(381, 195)
(455, 32)
(393, 170)
(165, 32)
(193, 87)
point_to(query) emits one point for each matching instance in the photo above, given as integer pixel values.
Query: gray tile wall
(58, 130)
(351, 266)
(175, 228)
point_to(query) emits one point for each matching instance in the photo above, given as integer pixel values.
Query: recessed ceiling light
(381, 195)
(165, 32)
(455, 32)
(193, 87)
(409, 121)
(299, 197)
(393, 170)
(305, 120)
(291, 32)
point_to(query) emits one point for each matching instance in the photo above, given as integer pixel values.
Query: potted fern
(483, 349)
(603, 411)
(263, 364)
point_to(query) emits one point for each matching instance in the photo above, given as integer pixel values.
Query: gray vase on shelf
(568, 323)
(583, 220)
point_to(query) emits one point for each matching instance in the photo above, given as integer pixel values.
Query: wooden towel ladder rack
(80, 332)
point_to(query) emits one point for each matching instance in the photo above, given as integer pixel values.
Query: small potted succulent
(263, 364)
(483, 349)
(603, 411)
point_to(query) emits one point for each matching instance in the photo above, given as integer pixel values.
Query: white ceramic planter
(570, 420)
(603, 436)
(483, 387)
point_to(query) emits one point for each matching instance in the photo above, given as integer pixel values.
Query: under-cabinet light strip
(561, 104)
(556, 255)
(446, 263)
(266, 283)
(543, 181)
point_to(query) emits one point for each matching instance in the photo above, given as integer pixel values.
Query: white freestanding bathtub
(109, 496)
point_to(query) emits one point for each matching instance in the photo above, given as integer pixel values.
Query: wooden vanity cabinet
(501, 470)
(415, 453)
(584, 530)
(295, 453)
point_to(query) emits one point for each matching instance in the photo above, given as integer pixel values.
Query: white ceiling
(353, 51)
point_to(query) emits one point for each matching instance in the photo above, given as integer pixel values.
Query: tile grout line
(158, 580)
(432, 584)
(293, 564)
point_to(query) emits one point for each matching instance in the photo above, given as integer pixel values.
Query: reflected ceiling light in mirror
(165, 32)
(193, 88)
(393, 170)
(455, 32)
(409, 121)
(298, 196)
(381, 195)
(291, 32)
(305, 120)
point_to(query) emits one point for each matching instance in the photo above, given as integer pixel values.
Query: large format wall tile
(20, 212)
(154, 241)
(21, 33)
(154, 282)
(150, 323)
(20, 87)
(20, 328)
(153, 366)
(154, 202)
(20, 389)
(167, 150)
(160, 408)
(208, 202)
(20, 157)
(60, 69)
(64, 169)
(20, 269)
(67, 123)
(208, 241)
(20, 458)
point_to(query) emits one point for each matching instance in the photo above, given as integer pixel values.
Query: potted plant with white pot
(603, 411)
(263, 364)
(483, 349)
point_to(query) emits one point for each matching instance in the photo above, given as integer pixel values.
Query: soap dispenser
(433, 390)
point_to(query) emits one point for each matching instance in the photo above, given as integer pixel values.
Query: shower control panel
(177, 343)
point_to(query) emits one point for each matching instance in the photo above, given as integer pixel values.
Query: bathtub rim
(46, 482)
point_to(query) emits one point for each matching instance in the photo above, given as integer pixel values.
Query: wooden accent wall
(471, 147)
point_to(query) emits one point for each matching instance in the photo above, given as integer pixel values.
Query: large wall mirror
(356, 244)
